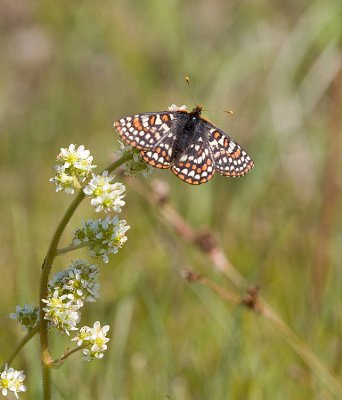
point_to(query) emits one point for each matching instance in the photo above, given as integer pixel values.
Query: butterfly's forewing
(160, 155)
(229, 157)
(195, 165)
(144, 131)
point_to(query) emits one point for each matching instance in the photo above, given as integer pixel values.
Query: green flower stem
(60, 361)
(116, 164)
(29, 335)
(72, 247)
(46, 360)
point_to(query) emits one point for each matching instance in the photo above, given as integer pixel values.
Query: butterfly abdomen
(184, 137)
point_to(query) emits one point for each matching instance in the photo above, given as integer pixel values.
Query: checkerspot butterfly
(192, 146)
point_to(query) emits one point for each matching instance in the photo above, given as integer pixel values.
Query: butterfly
(193, 147)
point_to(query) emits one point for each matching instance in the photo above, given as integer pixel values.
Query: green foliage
(70, 69)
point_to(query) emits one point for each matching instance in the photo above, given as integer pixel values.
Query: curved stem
(46, 359)
(43, 294)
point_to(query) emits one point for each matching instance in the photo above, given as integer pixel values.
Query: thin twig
(71, 247)
(59, 361)
(206, 243)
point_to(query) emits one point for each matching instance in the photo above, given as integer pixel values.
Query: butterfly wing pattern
(160, 155)
(195, 166)
(144, 131)
(229, 157)
(193, 147)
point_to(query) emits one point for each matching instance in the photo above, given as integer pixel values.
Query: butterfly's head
(197, 110)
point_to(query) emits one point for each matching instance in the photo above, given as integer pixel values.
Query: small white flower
(136, 166)
(63, 181)
(103, 236)
(73, 167)
(79, 280)
(106, 196)
(72, 156)
(173, 107)
(62, 312)
(94, 339)
(13, 381)
(27, 316)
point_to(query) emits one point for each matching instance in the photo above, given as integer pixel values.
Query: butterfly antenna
(187, 79)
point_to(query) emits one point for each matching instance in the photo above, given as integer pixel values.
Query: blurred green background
(67, 71)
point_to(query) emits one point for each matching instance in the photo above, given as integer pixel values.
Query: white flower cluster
(67, 291)
(93, 339)
(62, 312)
(27, 316)
(136, 166)
(73, 167)
(173, 107)
(106, 196)
(12, 380)
(102, 236)
(80, 280)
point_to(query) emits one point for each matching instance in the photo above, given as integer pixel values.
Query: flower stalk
(46, 359)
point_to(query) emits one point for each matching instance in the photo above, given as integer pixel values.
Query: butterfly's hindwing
(160, 155)
(195, 165)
